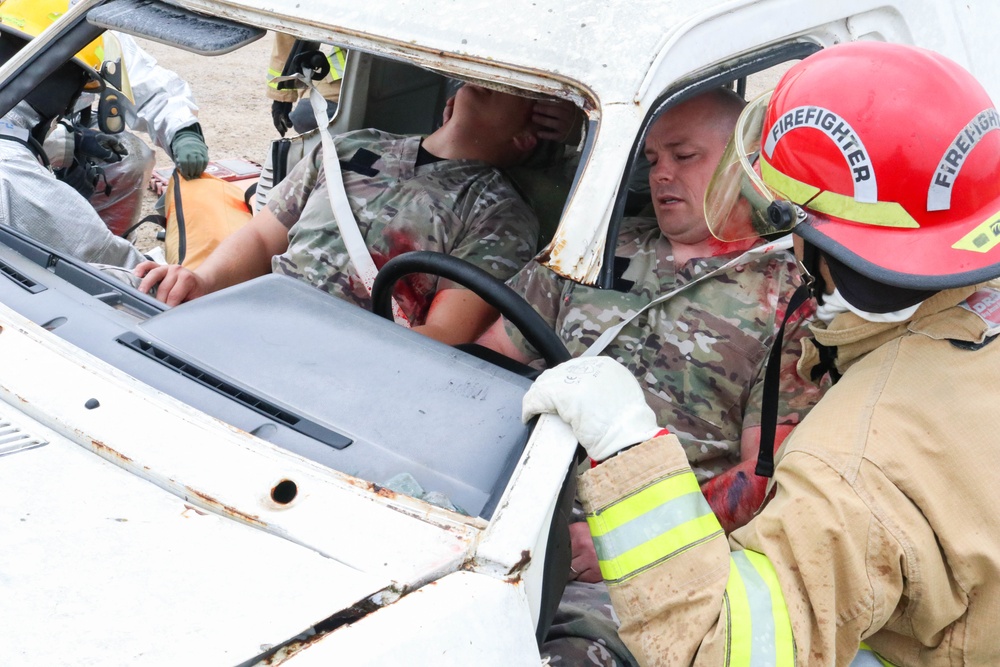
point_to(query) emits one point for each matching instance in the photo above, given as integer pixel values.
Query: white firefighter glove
(599, 399)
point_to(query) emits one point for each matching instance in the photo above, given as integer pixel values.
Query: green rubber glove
(190, 151)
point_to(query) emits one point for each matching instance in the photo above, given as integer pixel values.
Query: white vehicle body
(137, 529)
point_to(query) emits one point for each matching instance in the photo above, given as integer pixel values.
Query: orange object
(201, 213)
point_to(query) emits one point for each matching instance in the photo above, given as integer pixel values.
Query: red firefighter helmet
(893, 152)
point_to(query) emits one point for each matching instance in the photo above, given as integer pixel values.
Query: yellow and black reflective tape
(651, 525)
(338, 60)
(983, 238)
(272, 74)
(760, 631)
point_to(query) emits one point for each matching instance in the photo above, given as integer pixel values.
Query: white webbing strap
(357, 249)
(784, 243)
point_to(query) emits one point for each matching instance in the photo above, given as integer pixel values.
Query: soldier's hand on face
(599, 399)
(559, 120)
(449, 108)
(584, 566)
(174, 284)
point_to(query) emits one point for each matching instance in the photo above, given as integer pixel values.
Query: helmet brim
(926, 260)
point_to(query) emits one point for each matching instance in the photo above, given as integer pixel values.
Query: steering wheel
(558, 553)
(489, 289)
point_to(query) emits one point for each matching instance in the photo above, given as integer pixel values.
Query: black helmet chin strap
(772, 375)
(816, 286)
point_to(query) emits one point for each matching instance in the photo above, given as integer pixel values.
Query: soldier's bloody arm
(738, 493)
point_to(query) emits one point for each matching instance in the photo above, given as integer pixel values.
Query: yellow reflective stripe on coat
(869, 658)
(272, 74)
(337, 60)
(760, 631)
(660, 520)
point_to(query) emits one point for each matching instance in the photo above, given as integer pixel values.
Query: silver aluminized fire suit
(34, 201)
(164, 104)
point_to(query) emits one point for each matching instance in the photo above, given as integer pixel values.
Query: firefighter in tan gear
(285, 95)
(880, 539)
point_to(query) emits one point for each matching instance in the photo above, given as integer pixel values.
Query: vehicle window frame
(725, 74)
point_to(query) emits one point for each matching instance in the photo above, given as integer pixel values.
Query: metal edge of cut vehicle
(178, 487)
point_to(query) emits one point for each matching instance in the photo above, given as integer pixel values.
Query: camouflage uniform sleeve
(796, 395)
(289, 197)
(501, 238)
(543, 289)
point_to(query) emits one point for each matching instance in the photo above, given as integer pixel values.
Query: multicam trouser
(585, 630)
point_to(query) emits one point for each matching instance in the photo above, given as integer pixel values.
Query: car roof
(622, 61)
(604, 47)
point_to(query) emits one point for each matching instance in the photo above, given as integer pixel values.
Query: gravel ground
(235, 114)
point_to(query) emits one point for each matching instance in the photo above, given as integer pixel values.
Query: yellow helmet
(100, 64)
(28, 18)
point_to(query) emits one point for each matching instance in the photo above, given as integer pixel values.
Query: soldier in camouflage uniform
(699, 355)
(443, 192)
(460, 207)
